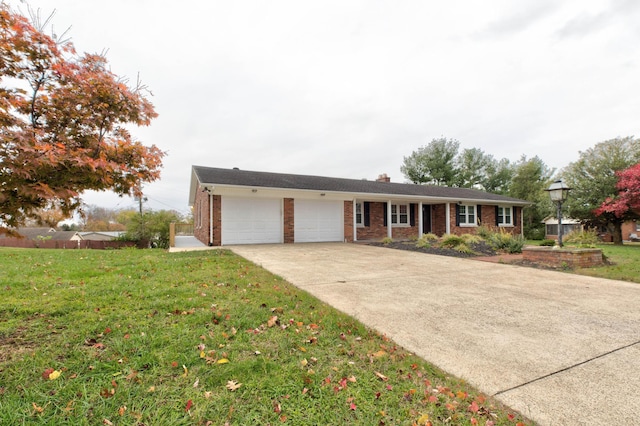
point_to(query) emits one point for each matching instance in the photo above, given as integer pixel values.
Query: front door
(426, 218)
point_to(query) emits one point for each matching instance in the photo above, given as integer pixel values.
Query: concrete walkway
(562, 349)
(188, 243)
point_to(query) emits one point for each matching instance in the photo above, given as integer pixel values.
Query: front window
(505, 216)
(400, 214)
(359, 215)
(467, 215)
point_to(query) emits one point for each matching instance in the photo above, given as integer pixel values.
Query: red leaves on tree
(62, 125)
(628, 199)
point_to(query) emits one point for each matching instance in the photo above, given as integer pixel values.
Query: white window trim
(466, 216)
(397, 215)
(355, 214)
(510, 223)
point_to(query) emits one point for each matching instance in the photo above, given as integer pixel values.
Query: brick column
(289, 221)
(217, 220)
(348, 221)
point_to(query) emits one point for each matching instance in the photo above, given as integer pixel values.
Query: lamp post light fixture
(558, 192)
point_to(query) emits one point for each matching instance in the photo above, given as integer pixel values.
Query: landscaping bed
(479, 249)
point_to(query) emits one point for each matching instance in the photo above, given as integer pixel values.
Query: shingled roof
(237, 177)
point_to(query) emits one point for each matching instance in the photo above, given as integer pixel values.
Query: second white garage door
(318, 221)
(251, 220)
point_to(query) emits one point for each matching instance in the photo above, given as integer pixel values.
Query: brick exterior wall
(348, 221)
(572, 258)
(377, 229)
(629, 228)
(487, 218)
(202, 217)
(289, 229)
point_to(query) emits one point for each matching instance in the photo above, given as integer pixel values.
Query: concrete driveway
(562, 349)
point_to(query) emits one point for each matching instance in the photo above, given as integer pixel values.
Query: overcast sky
(348, 88)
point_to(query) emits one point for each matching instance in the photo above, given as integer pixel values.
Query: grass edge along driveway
(201, 338)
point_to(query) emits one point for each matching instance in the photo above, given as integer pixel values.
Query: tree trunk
(617, 233)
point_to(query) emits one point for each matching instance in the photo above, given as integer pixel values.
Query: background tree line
(594, 178)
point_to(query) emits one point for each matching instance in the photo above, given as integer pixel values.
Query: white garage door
(251, 220)
(317, 221)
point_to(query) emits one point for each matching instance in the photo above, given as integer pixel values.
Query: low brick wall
(564, 257)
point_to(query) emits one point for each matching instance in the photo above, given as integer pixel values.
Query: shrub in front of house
(427, 240)
(547, 243)
(451, 241)
(457, 243)
(501, 240)
(582, 238)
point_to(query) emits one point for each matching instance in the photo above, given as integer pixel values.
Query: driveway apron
(561, 349)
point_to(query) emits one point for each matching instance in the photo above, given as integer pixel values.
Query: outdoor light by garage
(558, 192)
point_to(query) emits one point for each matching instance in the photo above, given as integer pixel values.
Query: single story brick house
(232, 206)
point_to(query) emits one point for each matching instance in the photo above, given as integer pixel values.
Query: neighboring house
(100, 235)
(44, 233)
(232, 206)
(568, 225)
(630, 229)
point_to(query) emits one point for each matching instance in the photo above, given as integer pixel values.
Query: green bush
(588, 238)
(505, 241)
(484, 232)
(427, 240)
(547, 243)
(471, 238)
(464, 248)
(451, 241)
(534, 233)
(387, 240)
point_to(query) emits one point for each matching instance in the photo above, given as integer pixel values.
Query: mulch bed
(482, 252)
(480, 249)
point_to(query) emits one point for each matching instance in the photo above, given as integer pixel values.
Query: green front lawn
(625, 263)
(139, 337)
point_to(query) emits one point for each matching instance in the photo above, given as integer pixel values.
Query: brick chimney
(383, 178)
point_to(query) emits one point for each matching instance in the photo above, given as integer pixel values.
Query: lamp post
(558, 192)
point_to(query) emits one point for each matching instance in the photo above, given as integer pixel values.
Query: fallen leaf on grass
(423, 419)
(473, 407)
(107, 422)
(122, 410)
(272, 321)
(232, 385)
(37, 408)
(189, 404)
(46, 373)
(222, 361)
(54, 374)
(381, 376)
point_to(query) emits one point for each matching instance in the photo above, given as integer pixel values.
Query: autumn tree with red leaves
(626, 205)
(63, 120)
